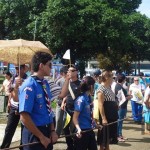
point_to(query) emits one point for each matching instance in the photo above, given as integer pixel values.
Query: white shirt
(6, 85)
(113, 86)
(134, 88)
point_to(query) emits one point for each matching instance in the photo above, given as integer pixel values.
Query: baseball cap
(97, 72)
(21, 66)
(73, 66)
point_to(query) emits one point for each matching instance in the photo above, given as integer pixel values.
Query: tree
(18, 16)
(124, 6)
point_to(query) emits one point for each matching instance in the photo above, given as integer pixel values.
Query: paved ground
(136, 139)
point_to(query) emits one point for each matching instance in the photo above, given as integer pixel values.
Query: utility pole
(35, 27)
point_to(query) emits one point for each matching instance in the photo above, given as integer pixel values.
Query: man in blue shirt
(34, 105)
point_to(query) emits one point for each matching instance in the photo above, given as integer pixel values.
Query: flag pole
(70, 61)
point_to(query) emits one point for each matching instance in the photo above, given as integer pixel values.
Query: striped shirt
(108, 93)
(110, 104)
(55, 90)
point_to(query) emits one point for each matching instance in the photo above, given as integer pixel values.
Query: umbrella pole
(18, 63)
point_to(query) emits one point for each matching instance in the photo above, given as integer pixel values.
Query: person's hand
(98, 126)
(18, 82)
(45, 141)
(54, 137)
(78, 134)
(68, 76)
(63, 105)
(129, 97)
(104, 121)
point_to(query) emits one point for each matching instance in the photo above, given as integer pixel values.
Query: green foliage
(111, 29)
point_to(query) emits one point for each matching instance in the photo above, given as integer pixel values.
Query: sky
(144, 8)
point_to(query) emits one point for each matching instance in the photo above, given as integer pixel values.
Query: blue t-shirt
(82, 105)
(32, 100)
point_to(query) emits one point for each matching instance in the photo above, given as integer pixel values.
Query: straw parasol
(20, 51)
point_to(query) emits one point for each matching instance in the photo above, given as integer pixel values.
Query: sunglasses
(136, 80)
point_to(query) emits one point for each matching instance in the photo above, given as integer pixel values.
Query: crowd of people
(99, 101)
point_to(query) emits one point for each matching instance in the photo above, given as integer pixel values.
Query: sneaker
(120, 139)
(125, 138)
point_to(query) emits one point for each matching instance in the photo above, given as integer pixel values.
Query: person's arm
(101, 107)
(65, 90)
(2, 88)
(76, 123)
(28, 123)
(18, 82)
(53, 136)
(63, 104)
(9, 103)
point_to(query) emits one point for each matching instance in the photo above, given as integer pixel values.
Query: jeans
(60, 120)
(121, 113)
(136, 111)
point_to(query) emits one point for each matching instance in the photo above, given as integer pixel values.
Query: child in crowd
(82, 117)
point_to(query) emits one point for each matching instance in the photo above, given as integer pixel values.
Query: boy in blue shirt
(34, 105)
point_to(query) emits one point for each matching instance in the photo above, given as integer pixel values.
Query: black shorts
(87, 141)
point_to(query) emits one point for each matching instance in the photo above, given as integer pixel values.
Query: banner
(121, 97)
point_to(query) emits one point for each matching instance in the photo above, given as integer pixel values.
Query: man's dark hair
(64, 69)
(21, 67)
(86, 83)
(121, 78)
(8, 73)
(39, 57)
(141, 74)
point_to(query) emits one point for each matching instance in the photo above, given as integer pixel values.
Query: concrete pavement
(134, 132)
(16, 136)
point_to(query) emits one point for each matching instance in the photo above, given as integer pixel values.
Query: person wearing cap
(59, 111)
(122, 104)
(27, 70)
(68, 103)
(137, 90)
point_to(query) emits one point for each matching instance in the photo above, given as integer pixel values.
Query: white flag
(67, 54)
(121, 97)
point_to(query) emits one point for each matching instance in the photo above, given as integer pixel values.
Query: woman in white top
(6, 87)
